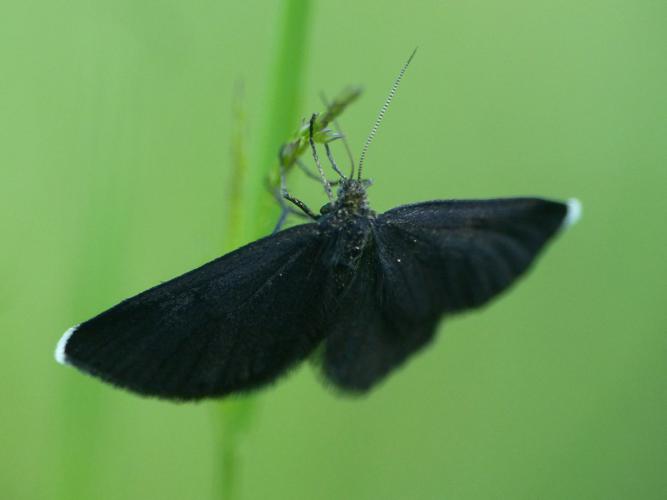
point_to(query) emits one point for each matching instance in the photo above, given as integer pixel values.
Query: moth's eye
(326, 208)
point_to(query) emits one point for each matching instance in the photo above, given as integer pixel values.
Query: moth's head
(351, 197)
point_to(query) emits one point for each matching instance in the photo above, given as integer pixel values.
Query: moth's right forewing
(456, 255)
(231, 325)
(426, 261)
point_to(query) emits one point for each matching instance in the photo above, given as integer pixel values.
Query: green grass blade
(285, 90)
(234, 417)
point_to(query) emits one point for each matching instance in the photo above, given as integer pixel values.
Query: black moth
(363, 290)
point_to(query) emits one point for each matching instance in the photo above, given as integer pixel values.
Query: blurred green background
(116, 125)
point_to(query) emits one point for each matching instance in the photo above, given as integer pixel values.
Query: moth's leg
(325, 182)
(304, 208)
(343, 137)
(277, 195)
(281, 220)
(332, 161)
(304, 168)
(285, 209)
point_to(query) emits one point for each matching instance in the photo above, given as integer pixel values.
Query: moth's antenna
(343, 137)
(325, 181)
(383, 110)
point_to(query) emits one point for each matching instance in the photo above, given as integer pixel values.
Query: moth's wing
(457, 255)
(231, 325)
(366, 341)
(431, 259)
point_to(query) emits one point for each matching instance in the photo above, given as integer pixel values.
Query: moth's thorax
(347, 242)
(348, 221)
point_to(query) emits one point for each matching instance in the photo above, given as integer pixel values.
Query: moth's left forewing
(232, 325)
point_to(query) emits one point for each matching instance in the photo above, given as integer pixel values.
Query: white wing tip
(574, 211)
(60, 347)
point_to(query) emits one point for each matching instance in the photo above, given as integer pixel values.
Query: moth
(362, 290)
